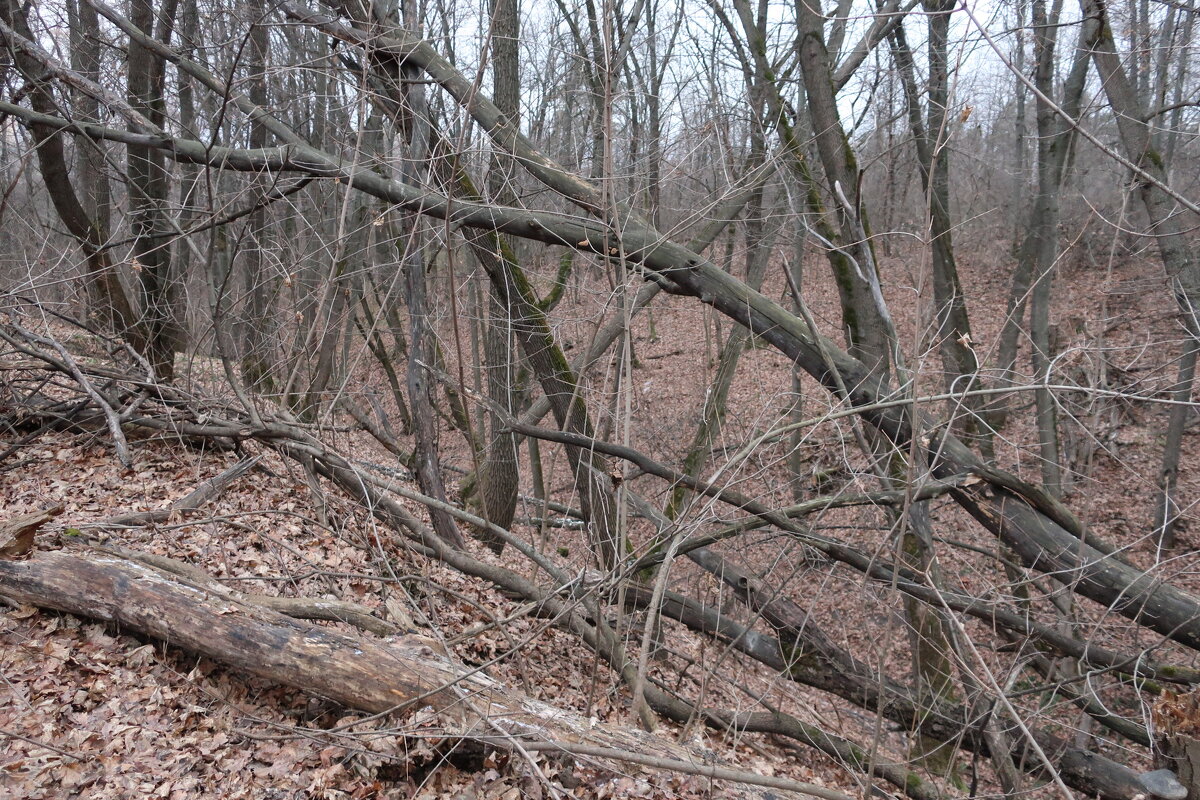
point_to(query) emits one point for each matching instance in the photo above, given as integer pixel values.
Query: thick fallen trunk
(374, 675)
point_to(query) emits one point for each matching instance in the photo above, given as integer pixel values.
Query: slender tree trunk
(1055, 143)
(931, 646)
(954, 328)
(1180, 81)
(1168, 511)
(148, 183)
(1044, 249)
(258, 362)
(498, 476)
(420, 333)
(953, 334)
(1167, 507)
(593, 475)
(868, 327)
(90, 159)
(1020, 179)
(116, 311)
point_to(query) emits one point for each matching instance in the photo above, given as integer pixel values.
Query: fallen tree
(388, 676)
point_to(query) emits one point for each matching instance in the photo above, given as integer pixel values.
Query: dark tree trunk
(498, 476)
(148, 181)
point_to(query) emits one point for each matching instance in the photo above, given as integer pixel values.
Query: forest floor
(87, 711)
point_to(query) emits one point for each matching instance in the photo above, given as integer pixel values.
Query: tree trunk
(148, 184)
(869, 329)
(258, 351)
(498, 477)
(1168, 510)
(954, 329)
(953, 333)
(420, 334)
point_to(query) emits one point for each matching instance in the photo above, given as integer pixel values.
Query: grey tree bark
(258, 363)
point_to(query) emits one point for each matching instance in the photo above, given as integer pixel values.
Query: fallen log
(190, 503)
(373, 675)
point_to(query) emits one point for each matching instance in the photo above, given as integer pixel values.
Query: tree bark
(869, 330)
(258, 351)
(953, 335)
(1177, 735)
(498, 475)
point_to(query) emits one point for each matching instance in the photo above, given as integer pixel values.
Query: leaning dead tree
(432, 195)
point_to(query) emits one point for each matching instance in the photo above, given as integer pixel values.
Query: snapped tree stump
(1176, 719)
